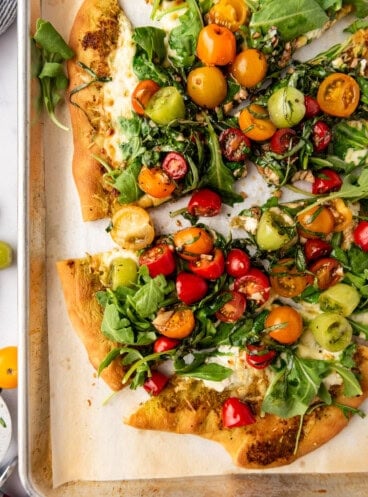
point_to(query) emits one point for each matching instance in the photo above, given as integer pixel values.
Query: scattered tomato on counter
(9, 367)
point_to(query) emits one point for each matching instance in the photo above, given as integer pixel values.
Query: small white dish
(5, 429)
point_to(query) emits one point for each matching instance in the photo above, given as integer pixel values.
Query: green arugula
(150, 53)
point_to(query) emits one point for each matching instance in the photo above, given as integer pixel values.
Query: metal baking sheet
(34, 393)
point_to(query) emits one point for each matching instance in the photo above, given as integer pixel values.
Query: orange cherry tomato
(9, 367)
(338, 95)
(178, 324)
(287, 280)
(328, 271)
(249, 67)
(317, 220)
(342, 214)
(229, 13)
(142, 94)
(216, 45)
(155, 182)
(255, 123)
(286, 324)
(207, 86)
(193, 242)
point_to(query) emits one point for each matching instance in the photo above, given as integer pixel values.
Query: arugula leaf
(51, 41)
(149, 297)
(151, 40)
(350, 382)
(127, 184)
(360, 6)
(208, 371)
(350, 141)
(114, 327)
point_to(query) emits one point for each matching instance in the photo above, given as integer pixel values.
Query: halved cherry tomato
(254, 285)
(155, 182)
(229, 13)
(190, 287)
(164, 344)
(236, 413)
(255, 123)
(233, 309)
(192, 242)
(132, 227)
(237, 263)
(342, 214)
(283, 140)
(338, 95)
(315, 248)
(361, 235)
(321, 136)
(285, 323)
(155, 383)
(159, 259)
(216, 45)
(235, 146)
(207, 86)
(249, 67)
(326, 180)
(175, 323)
(312, 108)
(287, 280)
(258, 356)
(209, 266)
(317, 220)
(175, 165)
(328, 271)
(204, 202)
(9, 367)
(142, 94)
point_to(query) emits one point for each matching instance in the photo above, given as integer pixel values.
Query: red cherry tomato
(236, 413)
(175, 166)
(155, 383)
(159, 260)
(328, 271)
(142, 94)
(315, 248)
(283, 140)
(163, 344)
(326, 180)
(235, 146)
(204, 202)
(255, 286)
(237, 263)
(259, 357)
(312, 108)
(321, 136)
(361, 235)
(233, 309)
(190, 287)
(210, 266)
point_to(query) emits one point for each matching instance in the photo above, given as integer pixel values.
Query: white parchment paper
(89, 438)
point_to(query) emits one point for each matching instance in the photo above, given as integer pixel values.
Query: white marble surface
(8, 221)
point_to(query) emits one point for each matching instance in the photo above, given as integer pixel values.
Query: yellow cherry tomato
(317, 220)
(342, 214)
(207, 86)
(9, 367)
(192, 242)
(338, 95)
(285, 323)
(155, 182)
(249, 67)
(132, 228)
(255, 123)
(175, 324)
(216, 45)
(229, 13)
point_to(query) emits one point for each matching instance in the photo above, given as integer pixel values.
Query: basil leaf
(50, 40)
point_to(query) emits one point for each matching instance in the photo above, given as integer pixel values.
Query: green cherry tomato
(275, 229)
(286, 107)
(332, 331)
(166, 105)
(6, 255)
(341, 298)
(123, 272)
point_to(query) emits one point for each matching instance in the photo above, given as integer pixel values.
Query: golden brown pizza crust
(189, 407)
(80, 284)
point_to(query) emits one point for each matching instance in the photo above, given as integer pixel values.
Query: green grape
(331, 331)
(166, 105)
(6, 255)
(123, 272)
(341, 298)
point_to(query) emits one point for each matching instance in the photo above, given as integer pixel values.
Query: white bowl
(5, 429)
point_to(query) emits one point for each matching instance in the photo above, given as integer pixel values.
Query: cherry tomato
(312, 108)
(237, 263)
(209, 266)
(164, 344)
(315, 248)
(155, 182)
(175, 324)
(317, 220)
(207, 86)
(155, 383)
(249, 67)
(229, 13)
(283, 140)
(287, 280)
(254, 285)
(142, 94)
(205, 203)
(258, 356)
(338, 95)
(190, 287)
(159, 259)
(175, 166)
(236, 413)
(216, 45)
(342, 214)
(286, 324)
(123, 272)
(286, 107)
(321, 136)
(9, 367)
(192, 242)
(328, 271)
(255, 123)
(132, 227)
(326, 180)
(361, 235)
(235, 146)
(166, 105)
(233, 309)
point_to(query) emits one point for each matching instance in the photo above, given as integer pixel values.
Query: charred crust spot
(70, 264)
